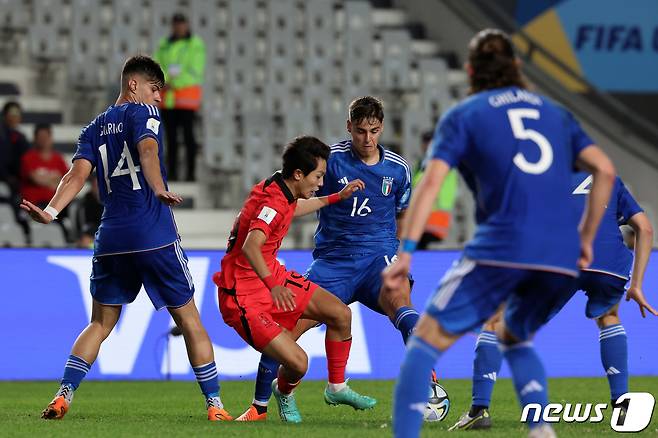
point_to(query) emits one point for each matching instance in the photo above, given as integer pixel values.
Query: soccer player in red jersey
(262, 300)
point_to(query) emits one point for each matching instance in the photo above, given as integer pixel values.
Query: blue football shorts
(603, 292)
(470, 293)
(353, 278)
(117, 279)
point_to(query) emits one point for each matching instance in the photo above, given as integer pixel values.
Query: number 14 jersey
(133, 218)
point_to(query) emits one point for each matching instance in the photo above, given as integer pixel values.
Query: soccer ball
(438, 404)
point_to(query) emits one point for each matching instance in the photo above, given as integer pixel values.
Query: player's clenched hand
(586, 255)
(350, 188)
(169, 198)
(635, 293)
(36, 213)
(283, 298)
(396, 273)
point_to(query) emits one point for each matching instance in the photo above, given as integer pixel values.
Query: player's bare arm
(398, 222)
(595, 161)
(414, 221)
(150, 162)
(643, 243)
(68, 188)
(282, 297)
(307, 206)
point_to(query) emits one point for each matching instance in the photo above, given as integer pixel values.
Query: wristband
(51, 211)
(270, 282)
(333, 198)
(408, 245)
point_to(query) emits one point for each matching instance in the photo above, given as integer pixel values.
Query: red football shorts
(250, 311)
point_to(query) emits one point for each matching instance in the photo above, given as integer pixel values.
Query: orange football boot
(56, 409)
(252, 414)
(218, 414)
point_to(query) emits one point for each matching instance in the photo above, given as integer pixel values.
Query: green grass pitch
(128, 409)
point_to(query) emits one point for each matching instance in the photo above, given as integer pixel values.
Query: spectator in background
(42, 167)
(13, 145)
(438, 224)
(182, 56)
(88, 215)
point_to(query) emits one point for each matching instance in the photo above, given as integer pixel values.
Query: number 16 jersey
(365, 223)
(133, 218)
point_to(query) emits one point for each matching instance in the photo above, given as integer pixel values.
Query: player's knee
(610, 318)
(343, 319)
(298, 363)
(101, 330)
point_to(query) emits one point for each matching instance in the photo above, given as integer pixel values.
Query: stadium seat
(396, 45)
(281, 55)
(86, 45)
(434, 90)
(258, 160)
(11, 234)
(13, 15)
(47, 40)
(414, 123)
(125, 39)
(160, 25)
(358, 56)
(50, 235)
(320, 54)
(5, 191)
(243, 51)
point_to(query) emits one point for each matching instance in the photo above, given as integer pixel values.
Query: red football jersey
(270, 208)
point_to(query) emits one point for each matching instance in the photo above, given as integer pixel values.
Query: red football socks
(337, 354)
(284, 386)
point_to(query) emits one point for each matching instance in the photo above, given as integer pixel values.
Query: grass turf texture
(176, 409)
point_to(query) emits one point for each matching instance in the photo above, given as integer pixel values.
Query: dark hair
(145, 66)
(9, 105)
(42, 126)
(179, 17)
(426, 136)
(303, 153)
(366, 107)
(492, 60)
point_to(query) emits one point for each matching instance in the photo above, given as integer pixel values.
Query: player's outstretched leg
(201, 355)
(83, 354)
(326, 308)
(267, 372)
(424, 348)
(529, 378)
(486, 366)
(294, 364)
(614, 354)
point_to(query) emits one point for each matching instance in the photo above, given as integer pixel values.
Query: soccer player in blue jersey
(604, 282)
(516, 151)
(137, 242)
(356, 239)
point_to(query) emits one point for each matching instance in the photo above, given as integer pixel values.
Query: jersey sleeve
(403, 193)
(578, 137)
(450, 140)
(85, 148)
(627, 206)
(146, 123)
(267, 218)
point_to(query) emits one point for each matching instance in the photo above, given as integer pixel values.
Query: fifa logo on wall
(634, 418)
